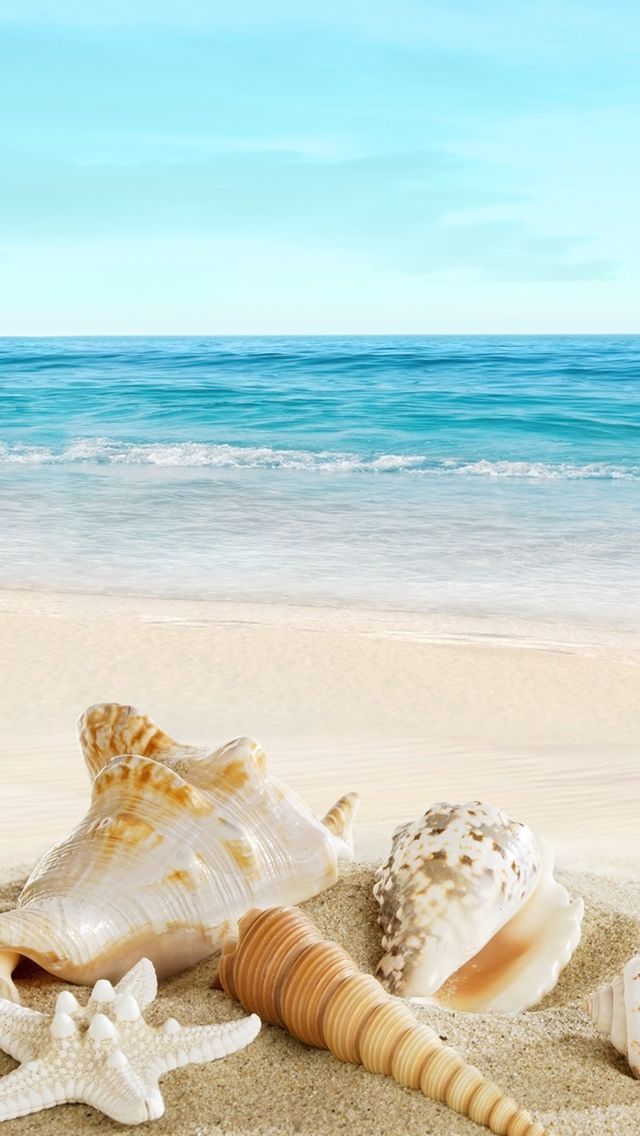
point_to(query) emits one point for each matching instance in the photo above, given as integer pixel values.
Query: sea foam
(104, 451)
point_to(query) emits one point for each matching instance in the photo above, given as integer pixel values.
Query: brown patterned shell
(470, 912)
(282, 969)
(177, 843)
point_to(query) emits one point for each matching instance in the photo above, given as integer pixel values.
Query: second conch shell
(285, 971)
(615, 1009)
(470, 912)
(177, 844)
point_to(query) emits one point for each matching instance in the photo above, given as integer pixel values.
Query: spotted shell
(470, 912)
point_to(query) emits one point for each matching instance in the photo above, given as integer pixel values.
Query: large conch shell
(615, 1009)
(283, 970)
(471, 913)
(177, 844)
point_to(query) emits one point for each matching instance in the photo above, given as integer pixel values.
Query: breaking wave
(104, 451)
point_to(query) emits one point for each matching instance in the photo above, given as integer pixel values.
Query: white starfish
(105, 1054)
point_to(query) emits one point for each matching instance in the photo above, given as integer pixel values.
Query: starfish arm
(21, 1030)
(141, 982)
(27, 1089)
(197, 1044)
(124, 1095)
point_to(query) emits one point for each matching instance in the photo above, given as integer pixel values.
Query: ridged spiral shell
(615, 1009)
(282, 969)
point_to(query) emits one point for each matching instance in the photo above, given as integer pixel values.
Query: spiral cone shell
(282, 969)
(615, 1009)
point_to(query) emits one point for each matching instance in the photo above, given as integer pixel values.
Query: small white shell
(470, 912)
(615, 1009)
(178, 843)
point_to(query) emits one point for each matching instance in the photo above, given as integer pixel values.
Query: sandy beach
(550, 1059)
(319, 490)
(541, 719)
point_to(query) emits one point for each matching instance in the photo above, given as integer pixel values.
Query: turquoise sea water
(457, 474)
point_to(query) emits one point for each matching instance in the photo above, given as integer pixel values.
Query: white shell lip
(550, 923)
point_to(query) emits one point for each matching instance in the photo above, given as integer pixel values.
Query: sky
(257, 167)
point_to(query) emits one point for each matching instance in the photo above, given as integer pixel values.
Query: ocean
(446, 474)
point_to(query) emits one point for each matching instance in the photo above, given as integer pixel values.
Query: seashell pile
(470, 912)
(615, 1009)
(285, 971)
(178, 842)
(186, 850)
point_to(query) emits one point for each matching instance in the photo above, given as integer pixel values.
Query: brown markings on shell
(237, 773)
(157, 742)
(243, 855)
(285, 971)
(122, 824)
(125, 828)
(111, 730)
(139, 776)
(182, 876)
(340, 817)
(402, 890)
(234, 775)
(184, 797)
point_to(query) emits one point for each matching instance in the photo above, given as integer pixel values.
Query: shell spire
(284, 970)
(340, 820)
(615, 1010)
(108, 730)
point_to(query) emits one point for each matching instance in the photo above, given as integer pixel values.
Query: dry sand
(541, 719)
(550, 1059)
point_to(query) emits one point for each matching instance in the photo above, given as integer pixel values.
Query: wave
(105, 451)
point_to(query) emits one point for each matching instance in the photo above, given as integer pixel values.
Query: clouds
(510, 250)
(397, 211)
(423, 151)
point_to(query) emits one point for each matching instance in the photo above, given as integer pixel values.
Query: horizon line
(317, 334)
